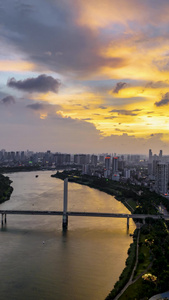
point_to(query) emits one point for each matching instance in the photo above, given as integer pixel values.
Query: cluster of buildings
(151, 171)
(49, 159)
(158, 172)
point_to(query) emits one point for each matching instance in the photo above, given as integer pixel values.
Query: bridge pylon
(65, 214)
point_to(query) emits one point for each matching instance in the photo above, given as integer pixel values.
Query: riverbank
(5, 188)
(14, 169)
(153, 241)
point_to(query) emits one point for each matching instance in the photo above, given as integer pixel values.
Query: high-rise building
(94, 159)
(107, 166)
(160, 154)
(86, 169)
(126, 173)
(76, 158)
(101, 159)
(82, 159)
(161, 178)
(121, 164)
(107, 162)
(150, 156)
(115, 164)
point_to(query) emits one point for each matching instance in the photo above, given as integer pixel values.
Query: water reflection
(81, 263)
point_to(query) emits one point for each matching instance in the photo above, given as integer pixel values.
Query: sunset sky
(84, 76)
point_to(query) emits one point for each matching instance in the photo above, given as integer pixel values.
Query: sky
(84, 76)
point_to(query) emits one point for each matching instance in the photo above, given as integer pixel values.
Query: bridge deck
(82, 214)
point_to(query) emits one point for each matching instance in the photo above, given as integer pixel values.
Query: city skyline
(84, 77)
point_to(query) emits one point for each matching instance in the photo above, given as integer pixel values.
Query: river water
(39, 261)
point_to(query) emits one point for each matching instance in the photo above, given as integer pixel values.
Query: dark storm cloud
(163, 101)
(126, 112)
(7, 100)
(55, 41)
(40, 84)
(119, 86)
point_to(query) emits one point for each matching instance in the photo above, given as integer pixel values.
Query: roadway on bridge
(82, 214)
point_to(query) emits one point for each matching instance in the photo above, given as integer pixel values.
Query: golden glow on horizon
(139, 119)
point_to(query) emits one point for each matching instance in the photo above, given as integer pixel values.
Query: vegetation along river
(39, 261)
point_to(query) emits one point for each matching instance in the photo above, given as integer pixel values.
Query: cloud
(65, 134)
(163, 101)
(36, 106)
(131, 144)
(102, 107)
(126, 131)
(56, 43)
(46, 110)
(157, 84)
(7, 100)
(40, 84)
(119, 86)
(126, 112)
(109, 118)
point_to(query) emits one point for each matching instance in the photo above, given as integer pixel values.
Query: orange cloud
(100, 14)
(16, 66)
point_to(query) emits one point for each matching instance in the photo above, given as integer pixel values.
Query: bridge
(79, 214)
(66, 213)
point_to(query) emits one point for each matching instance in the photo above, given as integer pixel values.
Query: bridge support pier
(128, 222)
(65, 214)
(2, 219)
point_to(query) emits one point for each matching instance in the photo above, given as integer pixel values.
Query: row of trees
(5, 188)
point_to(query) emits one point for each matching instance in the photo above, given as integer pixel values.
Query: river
(39, 261)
